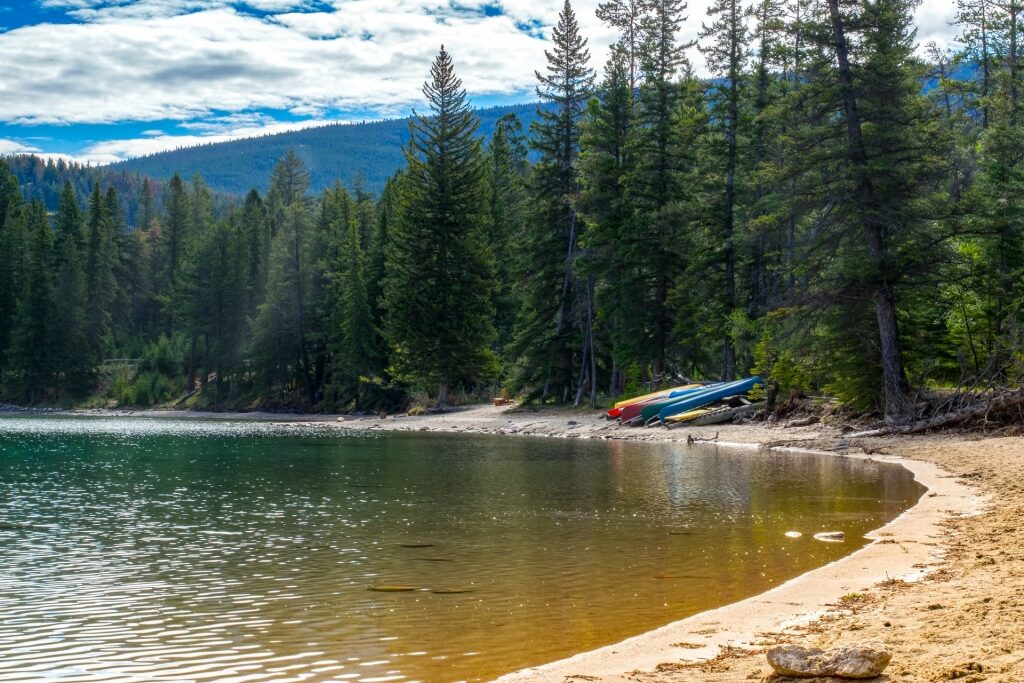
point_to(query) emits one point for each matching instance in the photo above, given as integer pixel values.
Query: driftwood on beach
(972, 412)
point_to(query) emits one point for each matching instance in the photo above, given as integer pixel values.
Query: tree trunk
(442, 395)
(192, 364)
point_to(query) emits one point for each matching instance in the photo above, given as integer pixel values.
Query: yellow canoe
(685, 417)
(653, 395)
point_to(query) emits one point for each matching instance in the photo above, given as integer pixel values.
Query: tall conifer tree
(551, 330)
(440, 270)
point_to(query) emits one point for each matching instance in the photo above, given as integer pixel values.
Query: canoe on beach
(632, 411)
(616, 410)
(699, 399)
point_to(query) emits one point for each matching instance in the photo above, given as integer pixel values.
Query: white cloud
(147, 60)
(15, 147)
(187, 65)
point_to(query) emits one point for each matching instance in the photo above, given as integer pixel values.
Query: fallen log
(1010, 400)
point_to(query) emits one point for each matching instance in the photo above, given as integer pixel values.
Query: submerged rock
(830, 536)
(866, 660)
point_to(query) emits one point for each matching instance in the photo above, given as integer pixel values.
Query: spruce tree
(255, 230)
(356, 353)
(725, 50)
(281, 336)
(146, 213)
(604, 163)
(554, 322)
(662, 143)
(75, 364)
(627, 16)
(100, 262)
(438, 299)
(508, 175)
(872, 160)
(12, 256)
(176, 231)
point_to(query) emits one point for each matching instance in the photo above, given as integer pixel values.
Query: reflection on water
(157, 550)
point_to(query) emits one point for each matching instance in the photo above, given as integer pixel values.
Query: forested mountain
(339, 152)
(814, 215)
(44, 179)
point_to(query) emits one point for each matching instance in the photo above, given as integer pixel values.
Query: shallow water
(164, 550)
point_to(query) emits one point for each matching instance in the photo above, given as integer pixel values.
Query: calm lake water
(159, 550)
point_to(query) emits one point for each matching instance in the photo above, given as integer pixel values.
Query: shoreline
(909, 561)
(784, 610)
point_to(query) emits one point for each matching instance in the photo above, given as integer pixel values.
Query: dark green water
(158, 550)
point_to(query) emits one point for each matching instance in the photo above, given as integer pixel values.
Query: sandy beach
(942, 585)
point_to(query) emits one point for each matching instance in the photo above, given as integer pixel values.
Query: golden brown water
(154, 550)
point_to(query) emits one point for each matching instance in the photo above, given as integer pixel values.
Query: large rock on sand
(851, 661)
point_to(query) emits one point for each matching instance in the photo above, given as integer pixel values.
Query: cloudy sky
(101, 80)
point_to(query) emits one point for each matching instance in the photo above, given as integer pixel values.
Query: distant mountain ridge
(334, 152)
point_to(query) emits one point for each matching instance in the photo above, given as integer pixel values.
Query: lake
(181, 550)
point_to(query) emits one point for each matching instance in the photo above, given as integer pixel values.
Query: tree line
(829, 210)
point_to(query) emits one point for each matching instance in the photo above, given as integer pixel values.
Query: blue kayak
(710, 395)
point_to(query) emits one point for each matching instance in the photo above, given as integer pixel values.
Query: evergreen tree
(726, 56)
(627, 16)
(281, 334)
(12, 256)
(509, 175)
(439, 268)
(872, 150)
(357, 356)
(255, 230)
(604, 163)
(175, 242)
(555, 320)
(146, 213)
(70, 307)
(669, 121)
(100, 261)
(217, 303)
(35, 329)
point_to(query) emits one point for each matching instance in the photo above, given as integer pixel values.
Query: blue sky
(102, 80)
